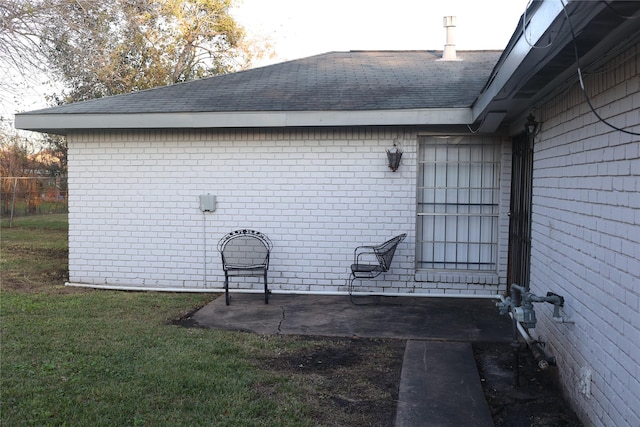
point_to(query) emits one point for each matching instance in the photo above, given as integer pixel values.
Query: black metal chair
(371, 261)
(245, 253)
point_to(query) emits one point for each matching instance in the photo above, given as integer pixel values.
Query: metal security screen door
(458, 200)
(520, 211)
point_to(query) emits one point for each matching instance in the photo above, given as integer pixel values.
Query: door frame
(519, 259)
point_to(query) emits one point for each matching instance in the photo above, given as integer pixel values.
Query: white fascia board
(426, 116)
(539, 23)
(65, 122)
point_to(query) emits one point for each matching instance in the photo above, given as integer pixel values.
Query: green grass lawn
(34, 252)
(106, 358)
(79, 357)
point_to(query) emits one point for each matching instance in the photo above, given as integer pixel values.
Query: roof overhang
(64, 123)
(535, 65)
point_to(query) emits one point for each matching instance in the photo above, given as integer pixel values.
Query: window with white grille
(458, 202)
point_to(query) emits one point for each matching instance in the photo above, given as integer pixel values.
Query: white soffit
(63, 123)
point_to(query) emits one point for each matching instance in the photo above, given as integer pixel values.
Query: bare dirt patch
(351, 382)
(536, 402)
(356, 382)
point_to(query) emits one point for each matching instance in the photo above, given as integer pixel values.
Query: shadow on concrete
(416, 318)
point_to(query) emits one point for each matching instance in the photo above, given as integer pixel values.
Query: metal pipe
(515, 349)
(527, 298)
(523, 332)
(542, 358)
(283, 292)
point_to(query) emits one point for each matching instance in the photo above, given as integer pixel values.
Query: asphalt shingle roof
(335, 81)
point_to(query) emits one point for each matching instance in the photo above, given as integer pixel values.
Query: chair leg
(266, 289)
(351, 297)
(350, 287)
(226, 288)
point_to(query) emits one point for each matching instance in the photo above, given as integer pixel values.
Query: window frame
(464, 215)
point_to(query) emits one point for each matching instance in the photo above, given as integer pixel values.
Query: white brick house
(585, 202)
(315, 192)
(297, 151)
(315, 181)
(586, 238)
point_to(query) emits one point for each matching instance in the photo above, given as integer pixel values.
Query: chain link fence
(20, 196)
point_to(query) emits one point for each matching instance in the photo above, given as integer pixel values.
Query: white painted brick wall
(135, 219)
(586, 240)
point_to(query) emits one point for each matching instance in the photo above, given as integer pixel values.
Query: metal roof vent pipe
(449, 53)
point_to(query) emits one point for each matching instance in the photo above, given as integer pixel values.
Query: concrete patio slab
(418, 318)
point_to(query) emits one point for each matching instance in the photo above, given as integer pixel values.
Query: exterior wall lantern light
(531, 125)
(394, 154)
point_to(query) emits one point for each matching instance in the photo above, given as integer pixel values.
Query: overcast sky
(299, 28)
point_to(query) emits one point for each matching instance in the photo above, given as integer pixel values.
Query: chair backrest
(385, 251)
(245, 249)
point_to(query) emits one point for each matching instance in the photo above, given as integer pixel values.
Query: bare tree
(106, 48)
(96, 48)
(21, 52)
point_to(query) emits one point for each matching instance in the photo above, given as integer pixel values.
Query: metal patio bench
(245, 253)
(371, 261)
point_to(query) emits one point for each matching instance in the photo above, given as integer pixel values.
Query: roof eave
(527, 74)
(65, 123)
(514, 60)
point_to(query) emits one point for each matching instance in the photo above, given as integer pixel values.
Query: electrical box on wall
(207, 203)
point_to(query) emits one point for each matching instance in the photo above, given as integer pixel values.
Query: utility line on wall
(582, 87)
